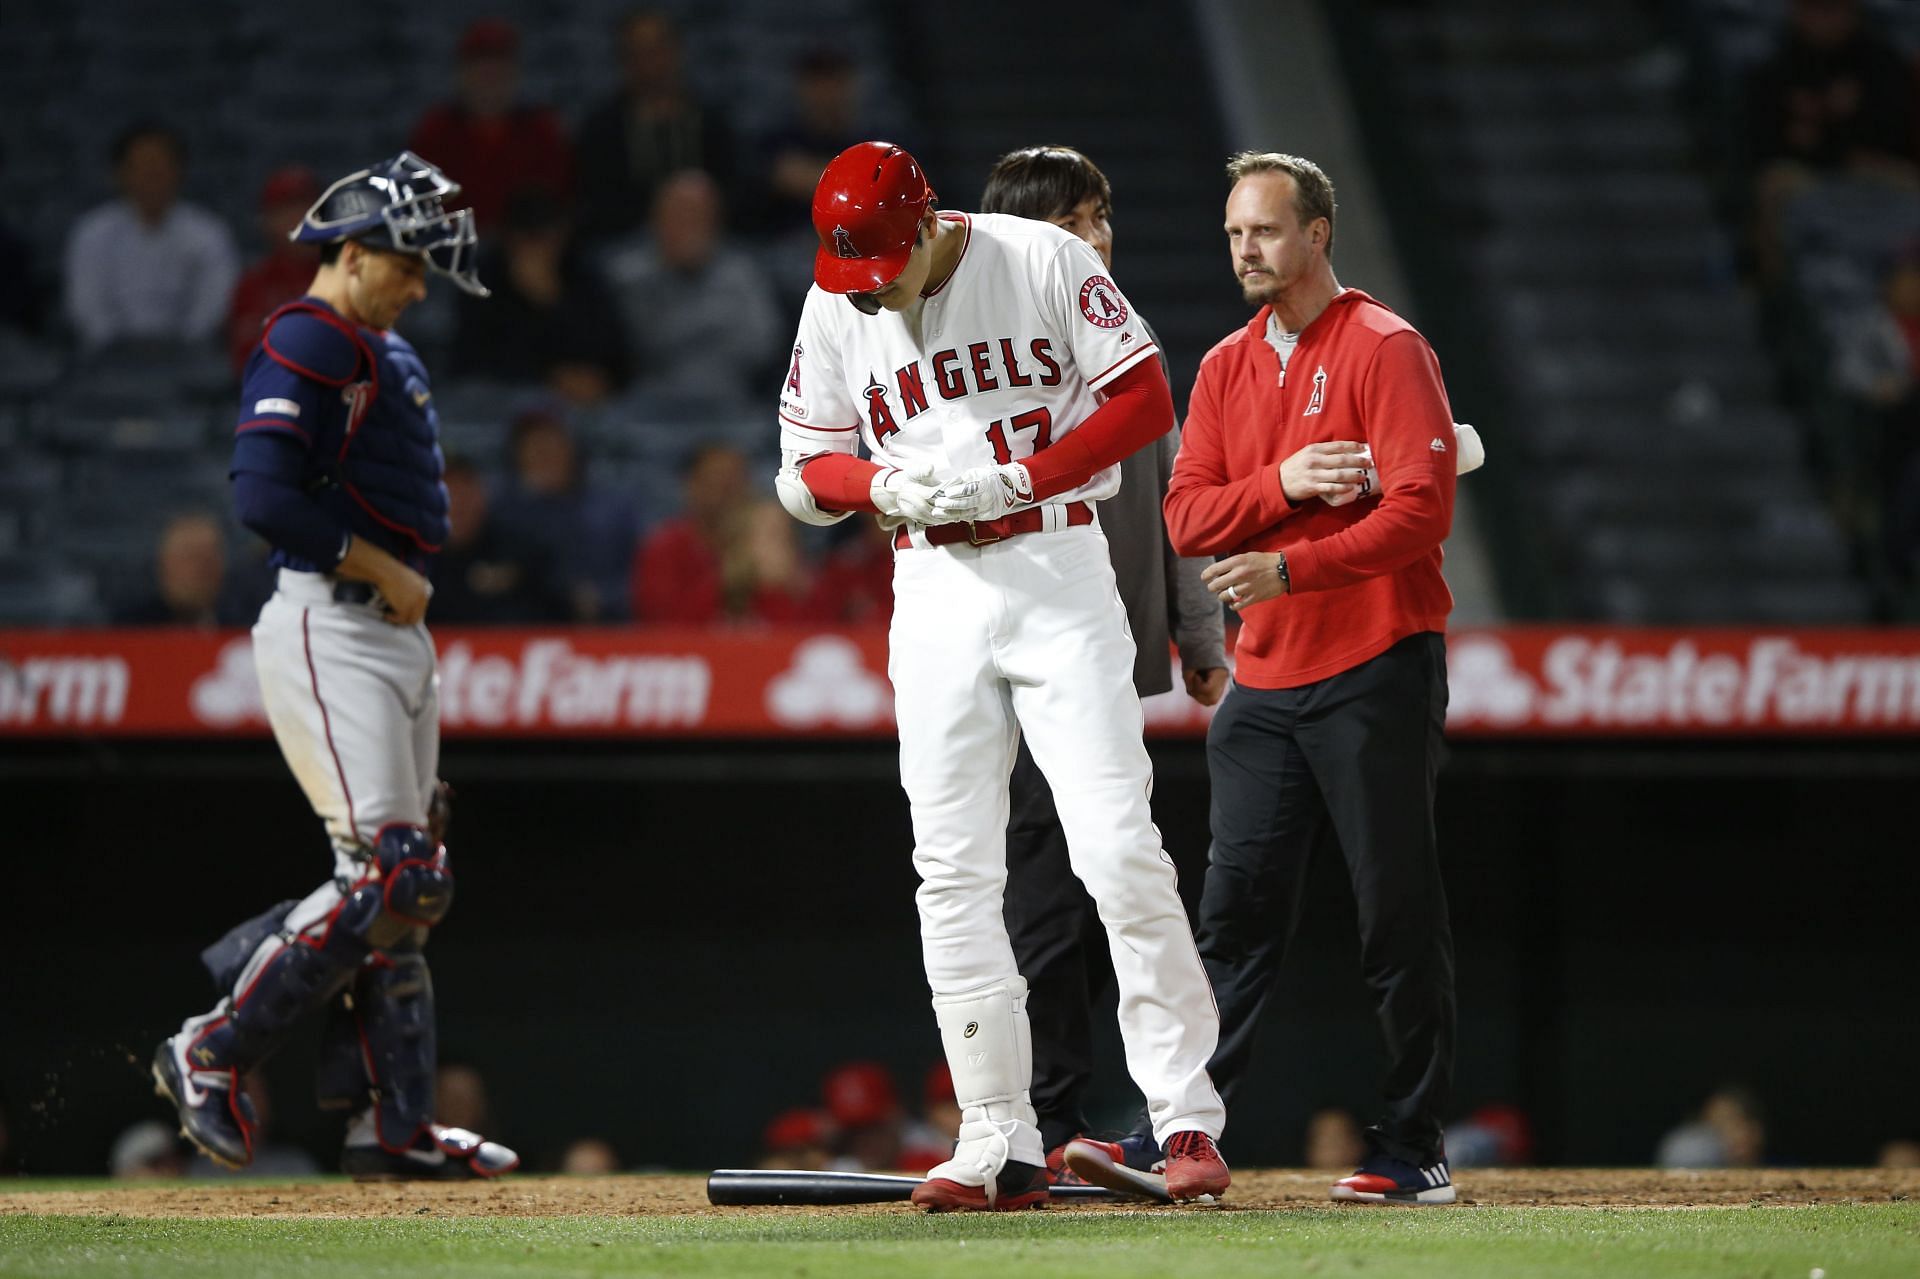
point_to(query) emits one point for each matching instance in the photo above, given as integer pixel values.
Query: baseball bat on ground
(737, 1186)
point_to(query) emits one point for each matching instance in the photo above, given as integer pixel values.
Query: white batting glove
(1468, 455)
(1472, 454)
(984, 493)
(907, 494)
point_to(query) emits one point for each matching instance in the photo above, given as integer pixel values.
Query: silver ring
(1233, 595)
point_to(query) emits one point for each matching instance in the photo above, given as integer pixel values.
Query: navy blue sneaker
(215, 1115)
(1141, 1152)
(1395, 1181)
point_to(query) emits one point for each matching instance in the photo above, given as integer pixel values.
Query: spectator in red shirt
(287, 269)
(494, 143)
(676, 578)
(1332, 733)
(727, 558)
(765, 579)
(855, 585)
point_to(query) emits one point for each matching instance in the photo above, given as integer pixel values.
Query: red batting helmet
(867, 210)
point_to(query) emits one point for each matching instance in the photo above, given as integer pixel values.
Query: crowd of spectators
(646, 264)
(860, 1124)
(1829, 186)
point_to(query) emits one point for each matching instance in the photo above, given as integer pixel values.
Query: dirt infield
(640, 1195)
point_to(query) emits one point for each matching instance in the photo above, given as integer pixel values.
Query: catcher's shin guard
(301, 954)
(385, 1070)
(226, 957)
(315, 951)
(998, 1162)
(393, 1014)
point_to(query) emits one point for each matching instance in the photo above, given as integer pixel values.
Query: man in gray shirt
(1058, 940)
(148, 265)
(701, 315)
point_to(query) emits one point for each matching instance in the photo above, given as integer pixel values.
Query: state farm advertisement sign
(1711, 683)
(605, 683)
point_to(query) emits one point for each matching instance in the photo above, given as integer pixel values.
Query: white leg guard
(989, 1045)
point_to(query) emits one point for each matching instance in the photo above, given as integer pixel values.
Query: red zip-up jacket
(1365, 575)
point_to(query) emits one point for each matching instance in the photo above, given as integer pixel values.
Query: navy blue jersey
(357, 402)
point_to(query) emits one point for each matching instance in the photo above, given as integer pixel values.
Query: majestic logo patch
(1439, 445)
(1102, 304)
(843, 244)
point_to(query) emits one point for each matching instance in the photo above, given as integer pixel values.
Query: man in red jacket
(1332, 731)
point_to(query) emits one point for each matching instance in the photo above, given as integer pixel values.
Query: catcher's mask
(399, 205)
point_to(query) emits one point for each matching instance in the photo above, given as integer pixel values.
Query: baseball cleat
(1395, 1181)
(438, 1154)
(1058, 1174)
(1103, 1163)
(1195, 1169)
(1018, 1186)
(215, 1115)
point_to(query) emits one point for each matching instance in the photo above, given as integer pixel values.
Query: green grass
(1848, 1241)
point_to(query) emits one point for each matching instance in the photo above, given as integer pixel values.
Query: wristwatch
(1280, 567)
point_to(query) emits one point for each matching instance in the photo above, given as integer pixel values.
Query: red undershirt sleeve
(841, 481)
(1138, 411)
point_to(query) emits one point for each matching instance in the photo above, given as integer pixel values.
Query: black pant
(1351, 762)
(1061, 949)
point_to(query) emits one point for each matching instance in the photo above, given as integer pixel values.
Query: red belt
(985, 532)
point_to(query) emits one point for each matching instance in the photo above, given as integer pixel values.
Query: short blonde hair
(1312, 191)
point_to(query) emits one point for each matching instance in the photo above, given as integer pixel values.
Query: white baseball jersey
(1003, 359)
(1020, 636)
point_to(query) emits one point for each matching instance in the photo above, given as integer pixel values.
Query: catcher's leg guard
(380, 1050)
(393, 1010)
(303, 955)
(390, 1012)
(998, 1162)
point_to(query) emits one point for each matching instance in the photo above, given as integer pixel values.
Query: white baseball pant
(355, 706)
(1028, 634)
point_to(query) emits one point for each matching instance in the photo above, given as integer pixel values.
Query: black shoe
(438, 1154)
(215, 1115)
(1383, 1179)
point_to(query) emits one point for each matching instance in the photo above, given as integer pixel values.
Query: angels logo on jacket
(1102, 303)
(1318, 400)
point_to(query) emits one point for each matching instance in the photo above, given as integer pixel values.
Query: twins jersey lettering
(1005, 358)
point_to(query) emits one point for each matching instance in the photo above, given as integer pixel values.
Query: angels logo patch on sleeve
(1102, 303)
